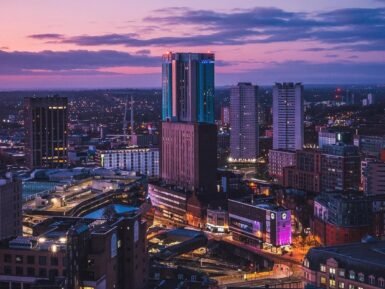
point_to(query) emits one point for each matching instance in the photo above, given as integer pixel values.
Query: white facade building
(142, 160)
(288, 119)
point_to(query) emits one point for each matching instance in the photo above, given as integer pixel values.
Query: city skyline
(120, 44)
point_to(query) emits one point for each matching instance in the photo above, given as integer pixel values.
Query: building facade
(372, 177)
(244, 123)
(142, 160)
(45, 122)
(353, 266)
(288, 119)
(278, 160)
(340, 167)
(306, 174)
(189, 155)
(341, 218)
(259, 223)
(188, 87)
(10, 208)
(83, 253)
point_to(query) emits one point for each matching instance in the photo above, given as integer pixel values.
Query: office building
(278, 160)
(188, 155)
(306, 174)
(82, 253)
(188, 87)
(370, 145)
(142, 160)
(341, 217)
(244, 133)
(357, 265)
(257, 223)
(10, 208)
(288, 119)
(330, 137)
(372, 177)
(340, 167)
(45, 122)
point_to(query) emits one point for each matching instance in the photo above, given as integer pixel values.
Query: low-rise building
(142, 160)
(257, 221)
(352, 266)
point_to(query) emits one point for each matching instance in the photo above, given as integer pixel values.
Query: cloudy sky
(119, 43)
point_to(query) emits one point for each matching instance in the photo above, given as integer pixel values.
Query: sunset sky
(118, 43)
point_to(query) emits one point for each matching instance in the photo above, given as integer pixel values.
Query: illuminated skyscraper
(188, 87)
(188, 153)
(288, 116)
(45, 122)
(244, 123)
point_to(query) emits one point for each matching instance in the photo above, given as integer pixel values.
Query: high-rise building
(188, 87)
(244, 123)
(188, 160)
(188, 156)
(340, 167)
(288, 120)
(10, 208)
(45, 122)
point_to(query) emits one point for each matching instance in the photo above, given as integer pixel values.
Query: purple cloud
(20, 61)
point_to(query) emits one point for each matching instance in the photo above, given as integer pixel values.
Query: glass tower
(188, 87)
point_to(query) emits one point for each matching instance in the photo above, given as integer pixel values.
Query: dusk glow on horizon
(118, 44)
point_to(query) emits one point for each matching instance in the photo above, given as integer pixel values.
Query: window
(193, 278)
(381, 282)
(7, 258)
(180, 276)
(30, 260)
(371, 280)
(332, 283)
(332, 271)
(323, 268)
(361, 277)
(30, 271)
(306, 263)
(323, 280)
(19, 271)
(7, 270)
(42, 272)
(19, 259)
(352, 275)
(341, 285)
(351, 286)
(54, 261)
(341, 273)
(42, 260)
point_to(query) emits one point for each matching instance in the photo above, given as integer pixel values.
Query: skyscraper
(188, 87)
(288, 116)
(188, 153)
(244, 123)
(45, 122)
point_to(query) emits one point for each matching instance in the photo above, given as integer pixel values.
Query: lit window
(323, 268)
(332, 283)
(351, 286)
(332, 271)
(352, 275)
(341, 285)
(361, 277)
(341, 273)
(323, 280)
(306, 263)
